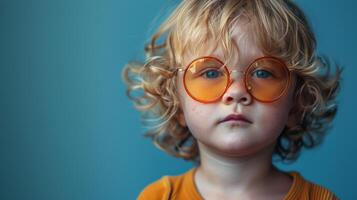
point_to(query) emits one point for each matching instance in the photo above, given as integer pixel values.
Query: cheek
(194, 113)
(199, 117)
(274, 117)
(196, 116)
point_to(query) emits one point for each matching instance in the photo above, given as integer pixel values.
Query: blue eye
(262, 73)
(212, 73)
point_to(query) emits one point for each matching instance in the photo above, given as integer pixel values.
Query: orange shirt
(182, 187)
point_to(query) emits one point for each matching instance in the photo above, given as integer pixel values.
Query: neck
(240, 173)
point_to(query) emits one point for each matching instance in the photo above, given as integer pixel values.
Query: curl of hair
(314, 109)
(159, 105)
(279, 28)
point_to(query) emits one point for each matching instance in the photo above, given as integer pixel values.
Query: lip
(234, 118)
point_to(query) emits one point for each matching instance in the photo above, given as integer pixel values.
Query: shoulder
(304, 188)
(320, 192)
(159, 189)
(162, 188)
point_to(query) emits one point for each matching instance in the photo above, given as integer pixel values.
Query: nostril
(229, 99)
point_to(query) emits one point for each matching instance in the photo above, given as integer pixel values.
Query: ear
(181, 119)
(292, 118)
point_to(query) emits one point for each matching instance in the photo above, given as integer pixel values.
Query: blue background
(67, 130)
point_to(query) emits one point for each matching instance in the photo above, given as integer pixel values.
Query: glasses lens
(206, 79)
(267, 79)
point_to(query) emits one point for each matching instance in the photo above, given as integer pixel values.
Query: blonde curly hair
(279, 28)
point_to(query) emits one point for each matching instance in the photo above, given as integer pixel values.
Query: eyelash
(204, 73)
(262, 70)
(254, 73)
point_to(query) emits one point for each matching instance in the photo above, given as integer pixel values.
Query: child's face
(236, 137)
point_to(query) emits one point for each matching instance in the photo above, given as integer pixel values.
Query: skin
(236, 159)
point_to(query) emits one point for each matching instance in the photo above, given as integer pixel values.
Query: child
(234, 83)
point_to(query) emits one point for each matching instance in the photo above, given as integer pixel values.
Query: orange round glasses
(207, 78)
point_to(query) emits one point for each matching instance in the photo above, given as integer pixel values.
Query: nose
(237, 92)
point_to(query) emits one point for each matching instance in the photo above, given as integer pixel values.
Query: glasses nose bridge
(234, 74)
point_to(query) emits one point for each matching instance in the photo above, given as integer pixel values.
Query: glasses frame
(230, 81)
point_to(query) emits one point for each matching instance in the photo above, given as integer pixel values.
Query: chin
(241, 148)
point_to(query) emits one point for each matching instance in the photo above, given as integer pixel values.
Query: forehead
(244, 47)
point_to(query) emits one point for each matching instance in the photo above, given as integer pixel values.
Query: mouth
(235, 118)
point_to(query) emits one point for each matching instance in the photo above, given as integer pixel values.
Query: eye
(261, 73)
(211, 73)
